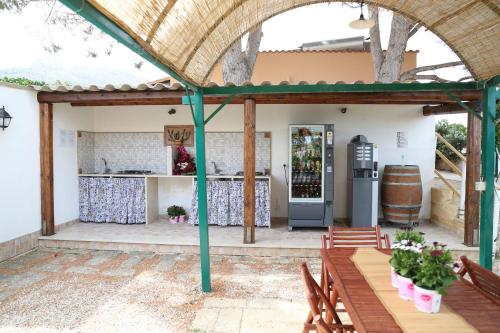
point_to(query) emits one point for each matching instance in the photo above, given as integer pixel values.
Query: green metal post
(487, 172)
(202, 189)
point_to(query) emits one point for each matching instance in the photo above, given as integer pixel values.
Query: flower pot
(182, 218)
(405, 288)
(174, 219)
(394, 278)
(428, 301)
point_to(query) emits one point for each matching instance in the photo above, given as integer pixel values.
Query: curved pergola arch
(190, 36)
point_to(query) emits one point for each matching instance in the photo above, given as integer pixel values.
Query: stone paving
(62, 290)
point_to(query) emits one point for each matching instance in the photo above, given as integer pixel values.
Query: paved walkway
(111, 291)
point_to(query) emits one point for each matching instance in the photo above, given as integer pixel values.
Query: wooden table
(369, 315)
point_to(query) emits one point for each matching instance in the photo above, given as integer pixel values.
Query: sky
(23, 37)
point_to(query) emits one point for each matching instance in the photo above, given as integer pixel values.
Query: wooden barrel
(401, 193)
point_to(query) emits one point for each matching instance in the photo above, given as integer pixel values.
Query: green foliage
(436, 272)
(175, 211)
(406, 253)
(22, 81)
(455, 134)
(409, 234)
(13, 5)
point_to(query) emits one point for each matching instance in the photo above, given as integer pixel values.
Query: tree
(238, 64)
(388, 64)
(63, 18)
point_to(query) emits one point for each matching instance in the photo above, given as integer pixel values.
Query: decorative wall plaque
(176, 135)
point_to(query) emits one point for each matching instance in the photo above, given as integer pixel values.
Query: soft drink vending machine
(310, 188)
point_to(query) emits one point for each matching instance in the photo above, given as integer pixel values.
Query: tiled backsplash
(145, 151)
(226, 150)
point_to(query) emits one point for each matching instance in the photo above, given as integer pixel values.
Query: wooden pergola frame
(252, 95)
(442, 94)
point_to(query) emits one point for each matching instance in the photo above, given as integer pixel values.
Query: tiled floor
(54, 290)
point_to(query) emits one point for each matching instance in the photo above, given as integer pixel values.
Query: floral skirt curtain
(120, 200)
(225, 204)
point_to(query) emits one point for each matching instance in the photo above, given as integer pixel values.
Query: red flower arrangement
(184, 164)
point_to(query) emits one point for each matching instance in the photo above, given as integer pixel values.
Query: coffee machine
(362, 182)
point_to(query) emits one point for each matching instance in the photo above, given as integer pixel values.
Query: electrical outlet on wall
(276, 204)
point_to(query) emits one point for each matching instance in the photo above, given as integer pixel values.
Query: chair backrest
(485, 280)
(315, 297)
(355, 237)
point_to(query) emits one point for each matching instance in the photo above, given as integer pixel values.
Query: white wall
(69, 119)
(378, 122)
(19, 164)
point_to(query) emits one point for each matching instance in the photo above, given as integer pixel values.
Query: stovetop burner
(134, 172)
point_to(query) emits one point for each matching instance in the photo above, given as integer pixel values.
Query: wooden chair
(356, 237)
(484, 280)
(349, 237)
(317, 299)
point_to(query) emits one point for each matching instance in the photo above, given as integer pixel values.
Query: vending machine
(310, 188)
(362, 182)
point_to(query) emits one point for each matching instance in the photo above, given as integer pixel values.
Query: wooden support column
(46, 169)
(249, 171)
(472, 175)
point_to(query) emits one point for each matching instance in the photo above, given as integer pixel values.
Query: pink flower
(437, 253)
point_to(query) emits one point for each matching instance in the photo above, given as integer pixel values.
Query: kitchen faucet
(106, 169)
(216, 170)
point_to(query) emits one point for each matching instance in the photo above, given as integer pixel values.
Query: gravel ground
(109, 291)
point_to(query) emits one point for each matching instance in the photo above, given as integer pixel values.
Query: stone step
(184, 249)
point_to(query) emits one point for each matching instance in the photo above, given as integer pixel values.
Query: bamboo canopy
(190, 36)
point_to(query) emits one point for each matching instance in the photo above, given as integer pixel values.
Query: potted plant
(405, 261)
(436, 274)
(176, 214)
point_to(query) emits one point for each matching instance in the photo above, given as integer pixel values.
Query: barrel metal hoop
(401, 206)
(401, 215)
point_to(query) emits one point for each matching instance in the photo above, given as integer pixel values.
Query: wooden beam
(450, 146)
(447, 182)
(449, 163)
(472, 175)
(174, 97)
(430, 110)
(46, 169)
(249, 170)
(108, 96)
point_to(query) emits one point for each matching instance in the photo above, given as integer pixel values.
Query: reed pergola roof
(190, 36)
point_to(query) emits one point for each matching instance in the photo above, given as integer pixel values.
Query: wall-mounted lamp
(5, 118)
(343, 110)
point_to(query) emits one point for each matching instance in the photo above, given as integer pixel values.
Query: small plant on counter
(435, 275)
(176, 214)
(405, 261)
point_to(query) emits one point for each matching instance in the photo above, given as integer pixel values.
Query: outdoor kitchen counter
(161, 175)
(225, 201)
(134, 198)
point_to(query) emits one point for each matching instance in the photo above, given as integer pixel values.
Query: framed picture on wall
(176, 135)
